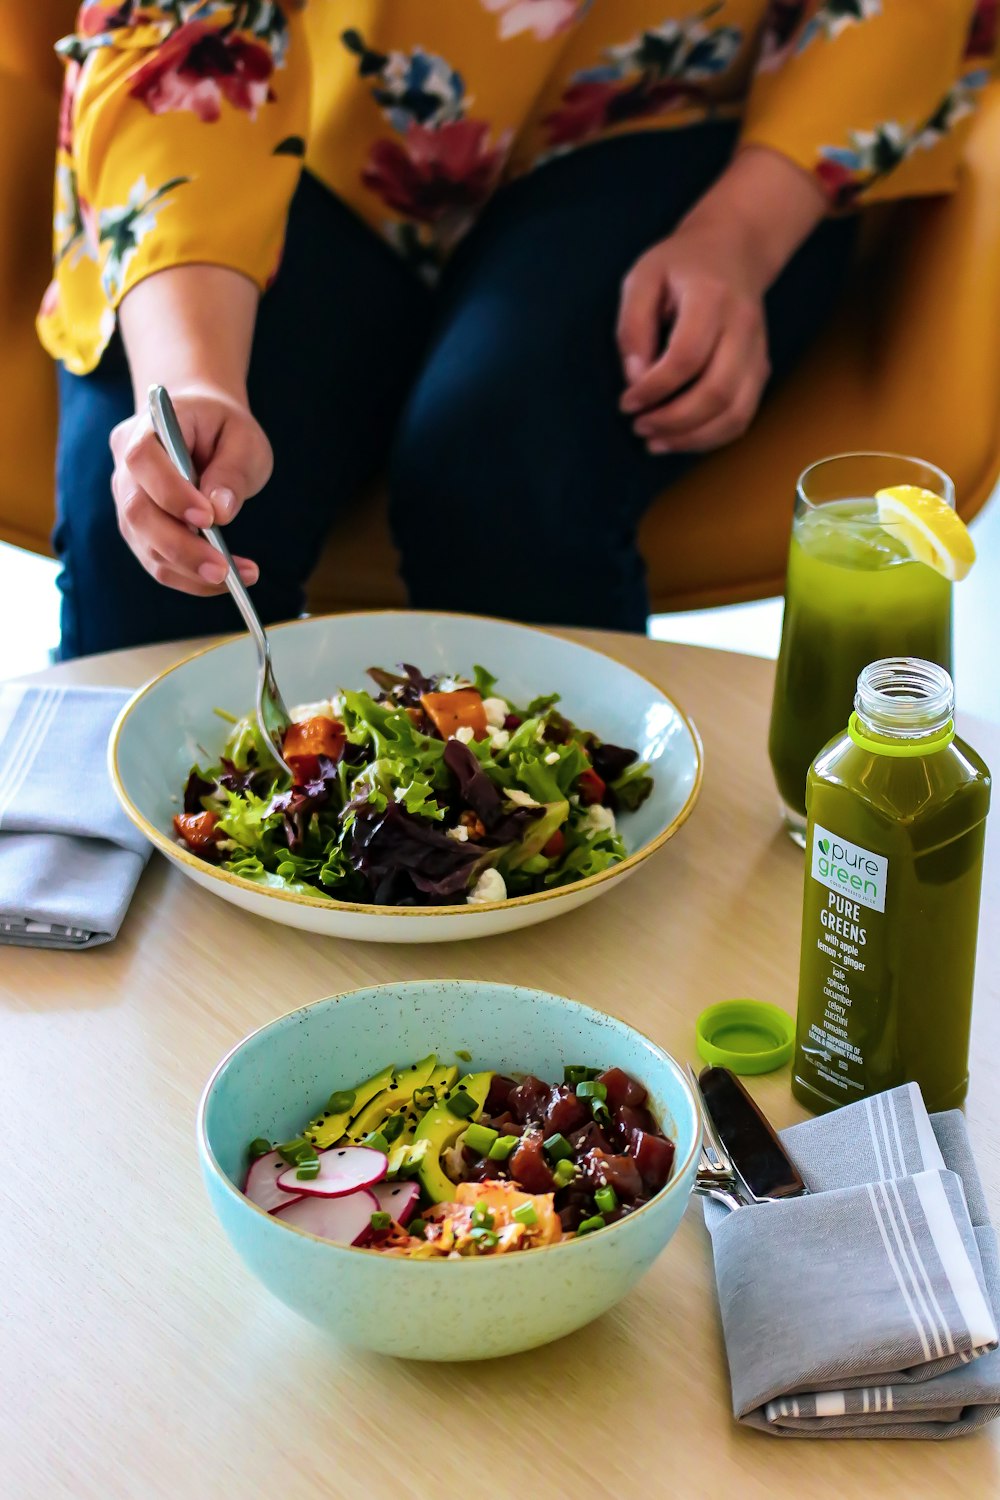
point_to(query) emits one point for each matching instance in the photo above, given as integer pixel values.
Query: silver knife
(762, 1169)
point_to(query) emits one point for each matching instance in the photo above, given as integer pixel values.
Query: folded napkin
(869, 1308)
(69, 857)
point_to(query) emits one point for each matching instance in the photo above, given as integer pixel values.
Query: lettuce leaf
(484, 682)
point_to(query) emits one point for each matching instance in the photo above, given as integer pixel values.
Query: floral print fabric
(185, 123)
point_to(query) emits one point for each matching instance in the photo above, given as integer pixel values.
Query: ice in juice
(854, 595)
(894, 852)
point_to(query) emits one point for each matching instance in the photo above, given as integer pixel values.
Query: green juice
(894, 854)
(854, 595)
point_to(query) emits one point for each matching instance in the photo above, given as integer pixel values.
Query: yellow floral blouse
(185, 123)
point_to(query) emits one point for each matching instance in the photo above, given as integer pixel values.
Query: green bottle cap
(746, 1036)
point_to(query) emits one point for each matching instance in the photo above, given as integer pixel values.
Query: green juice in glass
(894, 858)
(854, 595)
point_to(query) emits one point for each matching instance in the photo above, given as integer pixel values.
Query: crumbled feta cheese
(497, 710)
(499, 739)
(597, 819)
(459, 834)
(521, 798)
(464, 734)
(326, 708)
(452, 684)
(552, 759)
(489, 887)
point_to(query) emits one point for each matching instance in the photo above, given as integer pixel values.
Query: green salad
(428, 791)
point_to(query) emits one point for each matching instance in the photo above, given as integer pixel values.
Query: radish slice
(262, 1186)
(398, 1199)
(346, 1220)
(342, 1169)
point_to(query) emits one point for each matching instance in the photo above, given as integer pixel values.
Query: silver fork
(272, 715)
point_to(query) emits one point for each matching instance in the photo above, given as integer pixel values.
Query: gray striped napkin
(69, 857)
(869, 1308)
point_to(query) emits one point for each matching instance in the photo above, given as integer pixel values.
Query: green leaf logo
(824, 845)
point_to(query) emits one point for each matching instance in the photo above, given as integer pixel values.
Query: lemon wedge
(928, 527)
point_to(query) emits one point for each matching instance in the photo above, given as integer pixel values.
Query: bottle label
(845, 937)
(849, 869)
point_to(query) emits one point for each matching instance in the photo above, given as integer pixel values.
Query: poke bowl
(453, 777)
(469, 1280)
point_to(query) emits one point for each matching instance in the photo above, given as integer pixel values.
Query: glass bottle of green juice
(894, 856)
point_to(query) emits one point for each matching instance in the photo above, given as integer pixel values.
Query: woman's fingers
(160, 514)
(165, 546)
(239, 466)
(138, 450)
(698, 326)
(715, 432)
(640, 318)
(740, 355)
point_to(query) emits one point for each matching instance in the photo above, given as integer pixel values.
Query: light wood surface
(139, 1359)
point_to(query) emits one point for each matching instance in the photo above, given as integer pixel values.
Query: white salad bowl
(280, 1076)
(171, 723)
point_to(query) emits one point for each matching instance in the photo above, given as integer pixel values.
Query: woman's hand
(707, 283)
(157, 508)
(190, 329)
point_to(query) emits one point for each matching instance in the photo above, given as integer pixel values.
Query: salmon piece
(462, 709)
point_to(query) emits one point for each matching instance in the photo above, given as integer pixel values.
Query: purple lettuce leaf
(477, 791)
(196, 788)
(609, 761)
(299, 803)
(407, 859)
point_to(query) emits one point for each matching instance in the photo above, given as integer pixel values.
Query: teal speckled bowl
(282, 1074)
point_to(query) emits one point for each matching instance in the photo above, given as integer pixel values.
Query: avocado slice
(326, 1129)
(397, 1093)
(438, 1130)
(441, 1080)
(538, 834)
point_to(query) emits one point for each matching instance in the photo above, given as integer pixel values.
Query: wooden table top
(139, 1359)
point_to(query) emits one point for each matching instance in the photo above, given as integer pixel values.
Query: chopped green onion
(606, 1199)
(376, 1141)
(480, 1138)
(587, 1226)
(486, 1239)
(340, 1102)
(600, 1110)
(526, 1213)
(465, 1056)
(564, 1172)
(589, 1088)
(502, 1148)
(417, 1227)
(393, 1127)
(575, 1073)
(381, 1220)
(558, 1147)
(297, 1152)
(425, 1098)
(461, 1104)
(308, 1171)
(258, 1147)
(482, 1218)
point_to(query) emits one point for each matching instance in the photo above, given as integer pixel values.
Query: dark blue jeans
(516, 486)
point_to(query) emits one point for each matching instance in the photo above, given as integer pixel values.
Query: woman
(529, 256)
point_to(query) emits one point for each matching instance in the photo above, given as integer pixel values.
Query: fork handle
(168, 430)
